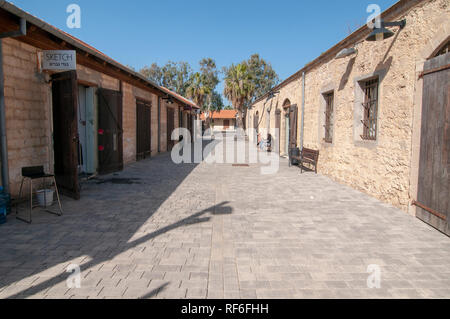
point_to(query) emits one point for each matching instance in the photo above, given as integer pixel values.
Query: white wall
(219, 125)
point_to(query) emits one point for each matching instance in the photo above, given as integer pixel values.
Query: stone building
(91, 120)
(224, 120)
(363, 111)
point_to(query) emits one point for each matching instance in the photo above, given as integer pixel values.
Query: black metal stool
(33, 173)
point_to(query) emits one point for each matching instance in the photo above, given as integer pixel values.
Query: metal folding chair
(31, 174)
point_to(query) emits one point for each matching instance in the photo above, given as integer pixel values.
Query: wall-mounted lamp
(169, 99)
(272, 95)
(380, 34)
(269, 97)
(346, 52)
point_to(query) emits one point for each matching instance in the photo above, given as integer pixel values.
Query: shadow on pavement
(101, 231)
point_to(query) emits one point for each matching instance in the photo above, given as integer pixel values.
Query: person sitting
(265, 145)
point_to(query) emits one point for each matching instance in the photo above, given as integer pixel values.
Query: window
(370, 105)
(329, 100)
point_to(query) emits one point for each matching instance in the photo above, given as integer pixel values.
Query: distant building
(224, 120)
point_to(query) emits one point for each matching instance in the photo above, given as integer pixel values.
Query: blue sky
(287, 33)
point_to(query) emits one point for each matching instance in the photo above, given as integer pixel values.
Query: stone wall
(380, 168)
(28, 111)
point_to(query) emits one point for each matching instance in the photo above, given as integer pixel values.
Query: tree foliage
(263, 75)
(216, 101)
(174, 75)
(246, 81)
(239, 88)
(153, 73)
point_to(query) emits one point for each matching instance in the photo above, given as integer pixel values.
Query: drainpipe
(3, 141)
(302, 125)
(159, 124)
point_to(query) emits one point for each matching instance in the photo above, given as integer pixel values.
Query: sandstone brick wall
(28, 111)
(28, 114)
(380, 168)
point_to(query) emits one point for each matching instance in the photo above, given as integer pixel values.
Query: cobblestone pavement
(160, 230)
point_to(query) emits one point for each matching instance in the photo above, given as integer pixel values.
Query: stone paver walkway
(160, 230)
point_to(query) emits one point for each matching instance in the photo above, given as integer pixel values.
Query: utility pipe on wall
(3, 142)
(159, 124)
(302, 125)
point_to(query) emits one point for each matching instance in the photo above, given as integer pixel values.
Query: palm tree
(239, 89)
(198, 91)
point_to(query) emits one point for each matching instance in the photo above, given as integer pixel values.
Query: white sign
(59, 60)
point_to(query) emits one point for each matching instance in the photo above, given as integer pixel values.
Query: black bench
(307, 156)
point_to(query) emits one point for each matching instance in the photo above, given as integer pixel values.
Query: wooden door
(226, 124)
(170, 128)
(143, 129)
(110, 132)
(189, 125)
(65, 132)
(293, 118)
(434, 170)
(256, 123)
(278, 127)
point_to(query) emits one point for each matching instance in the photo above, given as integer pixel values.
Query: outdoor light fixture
(380, 34)
(271, 95)
(346, 52)
(169, 99)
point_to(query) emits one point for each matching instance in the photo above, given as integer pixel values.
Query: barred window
(329, 100)
(370, 104)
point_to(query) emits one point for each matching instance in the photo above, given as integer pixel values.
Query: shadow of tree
(102, 236)
(348, 71)
(154, 292)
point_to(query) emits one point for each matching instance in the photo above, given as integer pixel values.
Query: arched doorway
(278, 129)
(289, 131)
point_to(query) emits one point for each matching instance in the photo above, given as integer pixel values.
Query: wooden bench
(307, 156)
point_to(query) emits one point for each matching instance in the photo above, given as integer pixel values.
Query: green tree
(263, 76)
(197, 90)
(239, 89)
(210, 76)
(216, 101)
(208, 69)
(174, 75)
(153, 73)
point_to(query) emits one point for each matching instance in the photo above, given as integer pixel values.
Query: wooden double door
(66, 136)
(433, 199)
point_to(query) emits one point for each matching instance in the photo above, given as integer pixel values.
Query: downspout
(159, 124)
(302, 125)
(3, 141)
